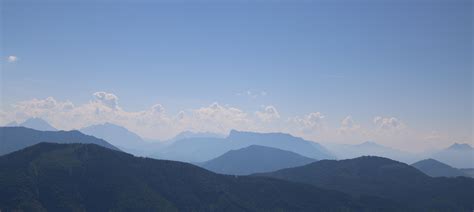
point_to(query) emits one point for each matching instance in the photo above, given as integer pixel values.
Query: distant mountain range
(189, 134)
(87, 177)
(435, 168)
(122, 138)
(132, 143)
(255, 159)
(16, 138)
(33, 123)
(457, 155)
(370, 148)
(204, 149)
(385, 178)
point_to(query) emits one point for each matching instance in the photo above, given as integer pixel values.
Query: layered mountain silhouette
(204, 149)
(16, 138)
(370, 148)
(468, 172)
(385, 178)
(33, 123)
(255, 159)
(457, 155)
(189, 134)
(66, 177)
(435, 168)
(122, 138)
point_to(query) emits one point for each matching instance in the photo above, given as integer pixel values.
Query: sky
(396, 72)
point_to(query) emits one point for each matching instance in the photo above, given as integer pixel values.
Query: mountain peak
(255, 159)
(436, 168)
(37, 124)
(458, 146)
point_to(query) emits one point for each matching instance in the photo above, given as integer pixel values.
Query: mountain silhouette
(435, 168)
(122, 138)
(468, 172)
(456, 155)
(16, 138)
(189, 134)
(204, 149)
(34, 123)
(385, 178)
(370, 148)
(87, 177)
(255, 159)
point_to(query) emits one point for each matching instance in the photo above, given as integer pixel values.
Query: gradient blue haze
(408, 59)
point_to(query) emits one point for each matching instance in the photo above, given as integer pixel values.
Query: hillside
(370, 148)
(64, 177)
(435, 168)
(255, 159)
(16, 138)
(384, 178)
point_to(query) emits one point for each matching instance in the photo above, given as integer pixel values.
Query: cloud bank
(156, 122)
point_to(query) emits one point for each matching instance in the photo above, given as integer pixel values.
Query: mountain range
(130, 142)
(376, 176)
(255, 159)
(190, 134)
(122, 138)
(204, 149)
(34, 123)
(370, 148)
(16, 138)
(456, 155)
(435, 168)
(87, 177)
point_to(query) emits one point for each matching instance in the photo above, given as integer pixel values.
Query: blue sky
(406, 59)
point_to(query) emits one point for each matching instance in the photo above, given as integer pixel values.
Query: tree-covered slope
(86, 177)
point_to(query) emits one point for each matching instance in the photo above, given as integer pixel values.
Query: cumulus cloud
(218, 118)
(387, 123)
(308, 124)
(270, 113)
(156, 122)
(41, 107)
(348, 125)
(12, 59)
(107, 99)
(158, 109)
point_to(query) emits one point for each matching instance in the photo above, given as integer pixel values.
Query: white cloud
(218, 118)
(308, 124)
(270, 113)
(387, 123)
(158, 109)
(348, 125)
(107, 99)
(155, 122)
(12, 59)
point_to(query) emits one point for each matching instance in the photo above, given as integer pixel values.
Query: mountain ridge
(16, 138)
(93, 178)
(204, 149)
(435, 168)
(376, 176)
(255, 159)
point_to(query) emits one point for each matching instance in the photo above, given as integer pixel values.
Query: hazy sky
(394, 71)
